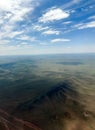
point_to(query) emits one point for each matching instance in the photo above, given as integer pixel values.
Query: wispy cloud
(9, 34)
(19, 15)
(50, 32)
(71, 3)
(85, 25)
(67, 22)
(81, 26)
(60, 40)
(26, 38)
(92, 17)
(14, 34)
(53, 14)
(2, 42)
(40, 27)
(12, 12)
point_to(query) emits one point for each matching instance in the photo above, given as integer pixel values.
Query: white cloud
(69, 4)
(11, 12)
(13, 5)
(53, 14)
(67, 22)
(39, 27)
(60, 40)
(19, 15)
(24, 43)
(26, 38)
(87, 25)
(50, 31)
(9, 33)
(44, 44)
(92, 17)
(6, 5)
(14, 10)
(76, 1)
(15, 33)
(4, 42)
(81, 26)
(77, 25)
(1, 21)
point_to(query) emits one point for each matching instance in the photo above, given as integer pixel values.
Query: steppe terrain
(47, 92)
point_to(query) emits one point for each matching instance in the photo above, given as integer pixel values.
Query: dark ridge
(60, 91)
(54, 107)
(7, 65)
(71, 63)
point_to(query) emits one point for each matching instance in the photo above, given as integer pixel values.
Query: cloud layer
(29, 24)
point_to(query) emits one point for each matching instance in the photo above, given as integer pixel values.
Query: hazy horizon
(84, 53)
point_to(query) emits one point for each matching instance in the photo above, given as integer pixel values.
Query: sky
(47, 26)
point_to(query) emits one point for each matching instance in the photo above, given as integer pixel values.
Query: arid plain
(47, 92)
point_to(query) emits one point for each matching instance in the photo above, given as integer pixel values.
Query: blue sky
(47, 26)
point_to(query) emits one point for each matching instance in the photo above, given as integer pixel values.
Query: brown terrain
(47, 94)
(58, 109)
